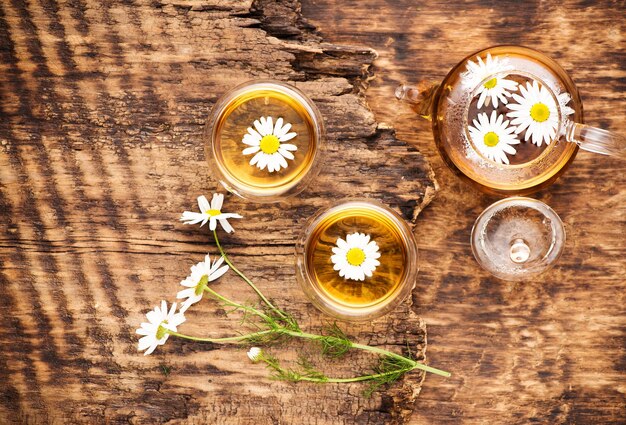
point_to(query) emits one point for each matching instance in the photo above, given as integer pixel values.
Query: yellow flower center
(213, 213)
(161, 332)
(355, 256)
(491, 83)
(269, 144)
(202, 283)
(491, 139)
(539, 112)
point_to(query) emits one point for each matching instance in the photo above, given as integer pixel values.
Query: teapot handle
(596, 140)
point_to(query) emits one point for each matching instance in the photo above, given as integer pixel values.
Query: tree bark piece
(103, 107)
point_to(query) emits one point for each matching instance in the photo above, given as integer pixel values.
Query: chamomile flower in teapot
(508, 119)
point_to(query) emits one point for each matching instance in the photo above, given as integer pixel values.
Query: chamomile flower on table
(201, 274)
(211, 212)
(496, 89)
(536, 112)
(355, 257)
(493, 137)
(154, 331)
(268, 142)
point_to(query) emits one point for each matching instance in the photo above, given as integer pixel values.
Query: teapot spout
(420, 97)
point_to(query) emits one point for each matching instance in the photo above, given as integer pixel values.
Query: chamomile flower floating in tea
(154, 331)
(535, 112)
(494, 137)
(357, 260)
(541, 100)
(264, 140)
(211, 212)
(493, 90)
(268, 143)
(356, 256)
(201, 274)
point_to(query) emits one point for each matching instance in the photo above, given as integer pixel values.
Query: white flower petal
(282, 131)
(251, 150)
(186, 293)
(281, 160)
(256, 158)
(217, 201)
(226, 226)
(269, 125)
(203, 204)
(190, 217)
(251, 140)
(219, 272)
(260, 128)
(262, 162)
(278, 126)
(286, 153)
(287, 137)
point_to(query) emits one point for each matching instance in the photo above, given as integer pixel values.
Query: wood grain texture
(102, 107)
(552, 350)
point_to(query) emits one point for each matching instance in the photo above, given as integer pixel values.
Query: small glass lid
(517, 238)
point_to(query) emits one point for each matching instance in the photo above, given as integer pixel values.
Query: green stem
(243, 276)
(227, 339)
(236, 304)
(355, 379)
(380, 351)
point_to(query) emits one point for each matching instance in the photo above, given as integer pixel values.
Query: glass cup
(263, 140)
(508, 119)
(356, 260)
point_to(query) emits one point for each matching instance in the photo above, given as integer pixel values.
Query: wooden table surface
(552, 350)
(103, 106)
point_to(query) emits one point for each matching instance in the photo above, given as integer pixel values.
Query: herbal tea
(500, 117)
(264, 139)
(488, 133)
(357, 256)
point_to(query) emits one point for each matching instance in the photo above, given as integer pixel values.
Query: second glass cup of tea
(357, 260)
(508, 119)
(263, 140)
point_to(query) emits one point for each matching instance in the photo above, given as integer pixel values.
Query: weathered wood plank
(102, 108)
(551, 350)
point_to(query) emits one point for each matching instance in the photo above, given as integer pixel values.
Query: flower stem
(355, 379)
(237, 305)
(380, 351)
(248, 281)
(227, 339)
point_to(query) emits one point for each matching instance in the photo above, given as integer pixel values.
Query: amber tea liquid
(387, 276)
(232, 124)
(532, 167)
(526, 151)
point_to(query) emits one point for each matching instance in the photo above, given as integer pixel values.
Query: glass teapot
(508, 119)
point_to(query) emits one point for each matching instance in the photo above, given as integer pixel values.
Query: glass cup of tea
(356, 260)
(263, 140)
(508, 119)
